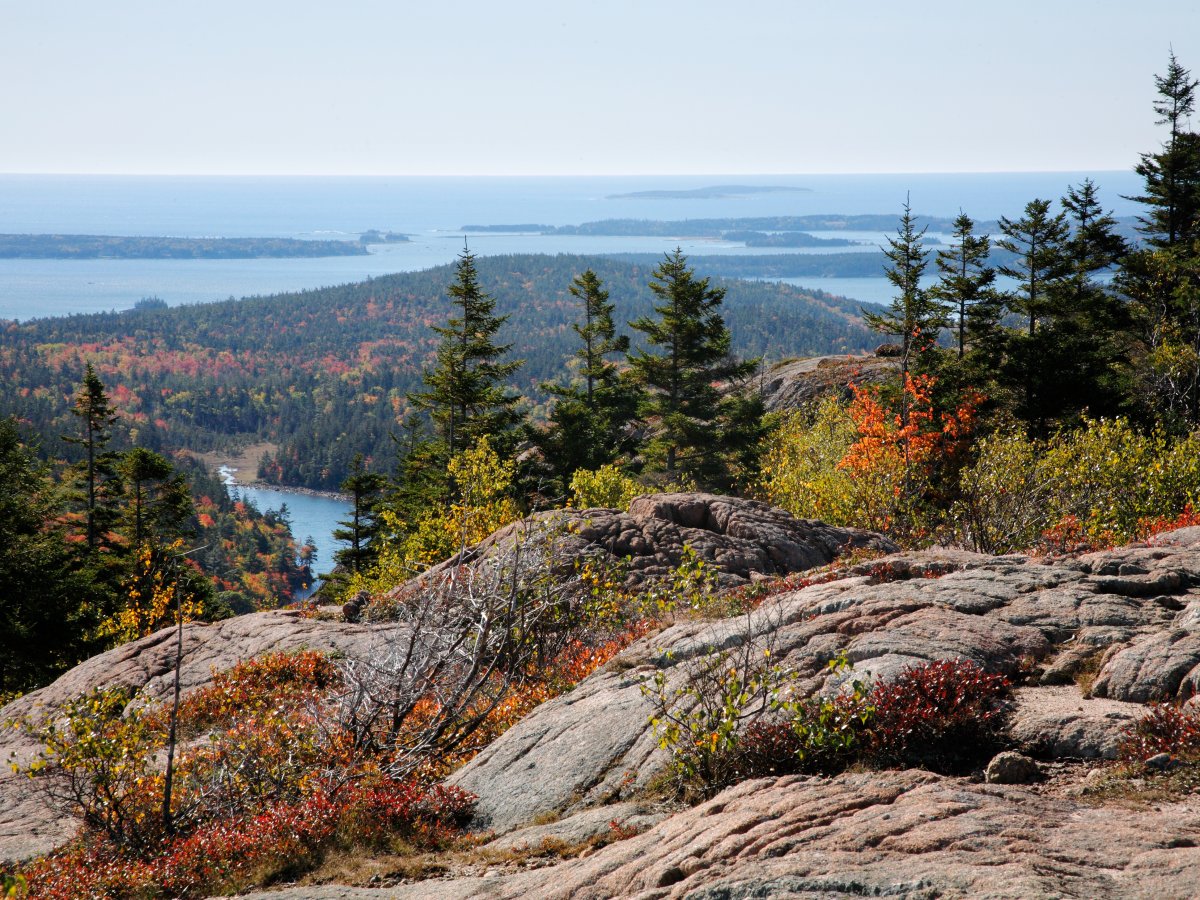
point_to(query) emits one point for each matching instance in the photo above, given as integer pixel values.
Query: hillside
(324, 374)
(567, 798)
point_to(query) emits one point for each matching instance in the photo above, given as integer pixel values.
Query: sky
(562, 87)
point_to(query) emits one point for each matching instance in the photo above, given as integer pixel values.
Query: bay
(312, 516)
(432, 211)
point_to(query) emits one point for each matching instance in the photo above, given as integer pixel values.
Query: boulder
(1011, 767)
(1059, 723)
(796, 384)
(741, 538)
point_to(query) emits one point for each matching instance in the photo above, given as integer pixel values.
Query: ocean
(433, 211)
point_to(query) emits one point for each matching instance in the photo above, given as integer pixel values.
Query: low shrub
(730, 721)
(1164, 728)
(946, 715)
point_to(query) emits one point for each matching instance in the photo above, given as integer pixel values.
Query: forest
(325, 374)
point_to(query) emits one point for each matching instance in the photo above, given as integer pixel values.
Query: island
(100, 246)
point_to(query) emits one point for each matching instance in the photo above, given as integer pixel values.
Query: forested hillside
(325, 374)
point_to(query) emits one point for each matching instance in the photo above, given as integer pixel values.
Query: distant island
(783, 239)
(375, 236)
(99, 246)
(721, 228)
(715, 192)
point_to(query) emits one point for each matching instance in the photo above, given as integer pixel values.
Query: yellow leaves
(606, 487)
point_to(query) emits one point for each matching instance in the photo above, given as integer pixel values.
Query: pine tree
(466, 397)
(49, 608)
(915, 316)
(1038, 239)
(1172, 176)
(705, 428)
(96, 416)
(965, 282)
(587, 422)
(361, 530)
(157, 501)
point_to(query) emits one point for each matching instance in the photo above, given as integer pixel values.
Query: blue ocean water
(433, 211)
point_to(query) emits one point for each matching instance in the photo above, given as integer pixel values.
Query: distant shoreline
(101, 246)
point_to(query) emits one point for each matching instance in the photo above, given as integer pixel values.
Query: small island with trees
(101, 246)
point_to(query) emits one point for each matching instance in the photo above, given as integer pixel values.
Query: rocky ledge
(1124, 623)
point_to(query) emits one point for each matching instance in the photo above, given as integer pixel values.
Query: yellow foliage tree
(482, 482)
(152, 591)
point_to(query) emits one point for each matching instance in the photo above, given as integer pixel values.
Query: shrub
(945, 715)
(729, 720)
(606, 487)
(1163, 729)
(696, 719)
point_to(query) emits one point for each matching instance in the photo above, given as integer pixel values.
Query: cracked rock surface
(1125, 621)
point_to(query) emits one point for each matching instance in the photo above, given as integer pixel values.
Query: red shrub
(1163, 729)
(943, 715)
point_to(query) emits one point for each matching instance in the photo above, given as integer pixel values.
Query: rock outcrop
(1008, 614)
(27, 824)
(1124, 622)
(741, 538)
(887, 834)
(795, 384)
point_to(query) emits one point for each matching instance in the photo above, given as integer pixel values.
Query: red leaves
(941, 714)
(1163, 729)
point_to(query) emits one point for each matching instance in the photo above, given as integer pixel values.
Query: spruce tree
(1172, 176)
(1038, 240)
(156, 498)
(465, 396)
(916, 316)
(361, 530)
(96, 416)
(965, 282)
(49, 606)
(705, 428)
(589, 418)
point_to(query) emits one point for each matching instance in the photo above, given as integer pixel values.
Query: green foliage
(361, 531)
(1172, 176)
(588, 425)
(49, 605)
(703, 428)
(465, 392)
(801, 469)
(481, 505)
(97, 476)
(1100, 484)
(916, 316)
(965, 284)
(697, 713)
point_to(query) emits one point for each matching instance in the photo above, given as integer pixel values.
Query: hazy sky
(361, 87)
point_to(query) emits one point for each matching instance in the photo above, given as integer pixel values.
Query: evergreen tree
(1038, 240)
(96, 416)
(1172, 176)
(965, 282)
(705, 429)
(157, 501)
(49, 608)
(587, 422)
(916, 316)
(361, 530)
(465, 396)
